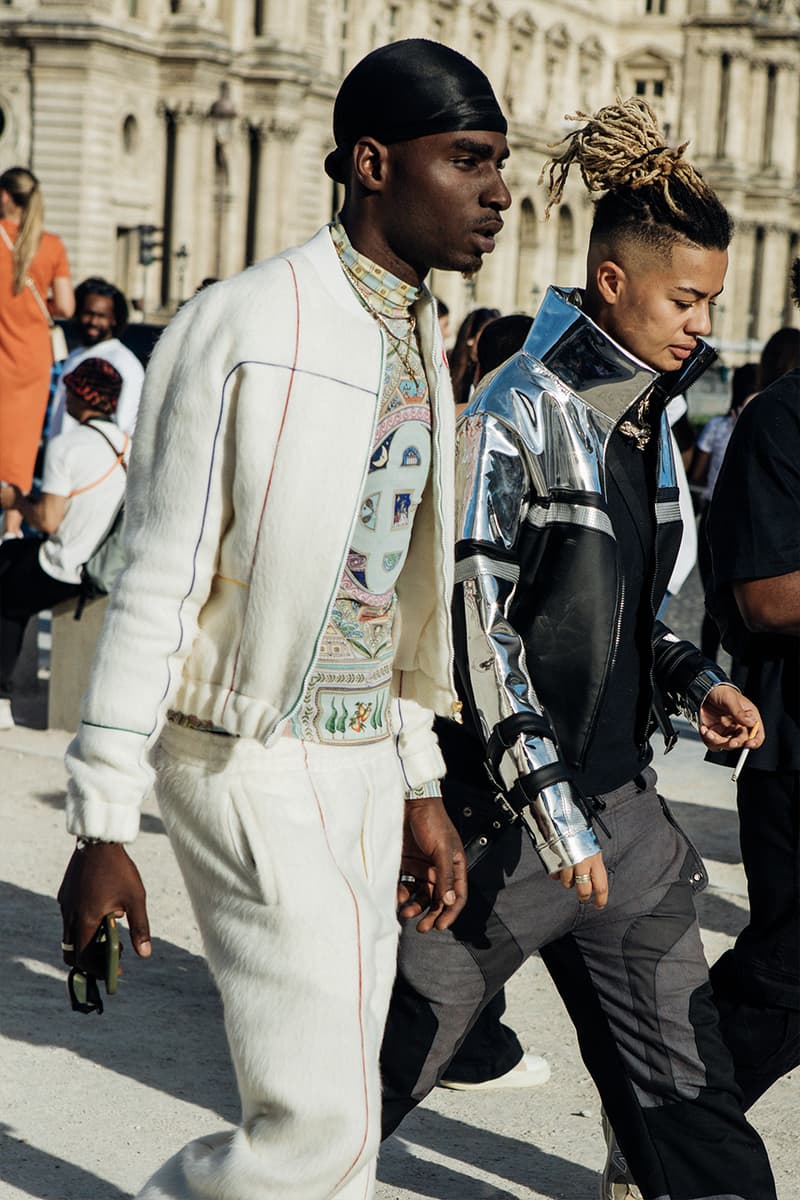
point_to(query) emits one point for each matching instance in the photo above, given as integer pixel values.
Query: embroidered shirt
(346, 699)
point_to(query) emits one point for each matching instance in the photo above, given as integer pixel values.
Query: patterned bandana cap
(410, 89)
(97, 383)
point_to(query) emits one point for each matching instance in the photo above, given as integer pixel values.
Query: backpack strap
(119, 460)
(120, 454)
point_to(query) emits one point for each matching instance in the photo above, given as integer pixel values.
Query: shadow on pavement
(38, 1174)
(171, 990)
(715, 831)
(508, 1158)
(720, 915)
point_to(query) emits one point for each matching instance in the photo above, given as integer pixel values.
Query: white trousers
(290, 857)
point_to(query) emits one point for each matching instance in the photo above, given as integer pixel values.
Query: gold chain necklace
(402, 345)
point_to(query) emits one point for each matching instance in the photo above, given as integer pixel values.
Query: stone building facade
(209, 120)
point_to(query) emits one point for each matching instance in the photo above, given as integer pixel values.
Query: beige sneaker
(616, 1183)
(530, 1071)
(6, 719)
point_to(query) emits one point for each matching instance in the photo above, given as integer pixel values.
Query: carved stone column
(784, 141)
(757, 112)
(774, 291)
(275, 185)
(711, 63)
(736, 299)
(234, 210)
(738, 110)
(192, 221)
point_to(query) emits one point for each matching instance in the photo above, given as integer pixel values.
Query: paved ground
(92, 1104)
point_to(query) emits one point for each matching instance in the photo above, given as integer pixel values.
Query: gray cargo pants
(633, 977)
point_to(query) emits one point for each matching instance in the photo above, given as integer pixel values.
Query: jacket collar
(593, 366)
(321, 253)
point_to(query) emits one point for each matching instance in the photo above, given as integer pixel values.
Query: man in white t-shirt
(82, 489)
(101, 312)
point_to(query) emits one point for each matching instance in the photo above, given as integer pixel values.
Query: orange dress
(25, 357)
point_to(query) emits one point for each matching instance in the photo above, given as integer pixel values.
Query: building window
(724, 101)
(788, 304)
(253, 174)
(655, 7)
(130, 134)
(649, 88)
(769, 115)
(755, 284)
(168, 220)
(2, 122)
(258, 18)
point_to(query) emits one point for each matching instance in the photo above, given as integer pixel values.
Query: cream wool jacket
(252, 448)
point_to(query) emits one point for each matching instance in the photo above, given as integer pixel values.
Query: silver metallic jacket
(539, 596)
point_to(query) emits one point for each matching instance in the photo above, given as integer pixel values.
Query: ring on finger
(67, 947)
(583, 879)
(408, 879)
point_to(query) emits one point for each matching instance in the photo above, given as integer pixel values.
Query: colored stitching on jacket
(272, 467)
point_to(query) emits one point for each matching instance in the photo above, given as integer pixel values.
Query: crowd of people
(429, 691)
(54, 404)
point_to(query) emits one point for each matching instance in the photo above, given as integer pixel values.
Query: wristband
(83, 842)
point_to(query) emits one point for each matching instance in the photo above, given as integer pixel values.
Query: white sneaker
(616, 1183)
(530, 1071)
(6, 719)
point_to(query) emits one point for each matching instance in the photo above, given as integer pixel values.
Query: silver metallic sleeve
(493, 486)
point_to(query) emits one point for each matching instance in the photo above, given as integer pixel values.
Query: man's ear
(370, 161)
(610, 280)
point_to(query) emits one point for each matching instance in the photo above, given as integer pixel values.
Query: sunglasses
(104, 951)
(83, 992)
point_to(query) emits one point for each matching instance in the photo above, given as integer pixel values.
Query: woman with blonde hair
(34, 282)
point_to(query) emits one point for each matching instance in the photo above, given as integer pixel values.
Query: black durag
(410, 89)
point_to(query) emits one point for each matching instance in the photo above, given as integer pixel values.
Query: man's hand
(589, 879)
(434, 856)
(101, 879)
(729, 721)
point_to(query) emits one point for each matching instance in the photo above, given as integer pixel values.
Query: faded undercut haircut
(652, 194)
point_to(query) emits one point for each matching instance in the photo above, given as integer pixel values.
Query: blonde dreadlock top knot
(622, 146)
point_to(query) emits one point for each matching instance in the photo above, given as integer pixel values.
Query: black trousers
(25, 589)
(709, 630)
(757, 982)
(489, 1050)
(633, 977)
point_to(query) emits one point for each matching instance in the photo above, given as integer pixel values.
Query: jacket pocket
(237, 832)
